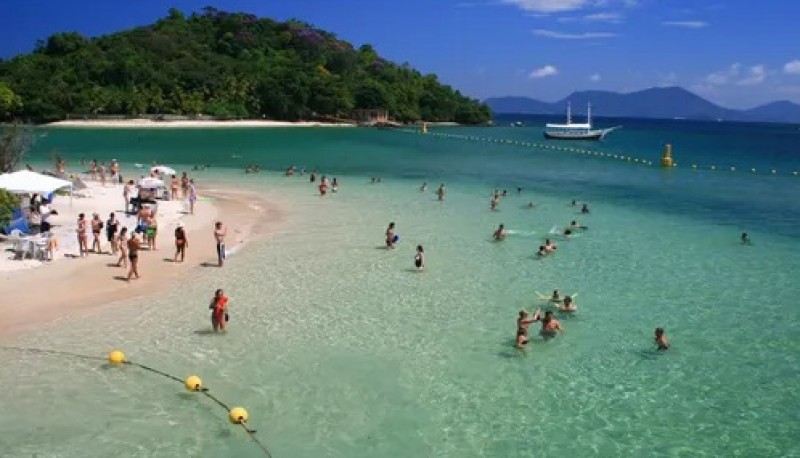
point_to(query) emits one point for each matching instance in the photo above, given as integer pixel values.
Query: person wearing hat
(180, 242)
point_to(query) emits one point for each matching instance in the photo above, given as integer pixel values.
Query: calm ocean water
(338, 348)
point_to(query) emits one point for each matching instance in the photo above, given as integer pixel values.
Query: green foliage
(227, 65)
(10, 102)
(8, 203)
(14, 142)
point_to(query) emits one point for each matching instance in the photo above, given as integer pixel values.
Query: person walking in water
(220, 232)
(745, 239)
(441, 192)
(219, 311)
(419, 258)
(500, 233)
(390, 236)
(661, 339)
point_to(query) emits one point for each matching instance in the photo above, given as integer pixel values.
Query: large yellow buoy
(116, 357)
(666, 156)
(193, 383)
(238, 415)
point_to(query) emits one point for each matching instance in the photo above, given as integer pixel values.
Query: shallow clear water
(339, 348)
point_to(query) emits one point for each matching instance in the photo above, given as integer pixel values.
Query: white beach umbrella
(151, 183)
(164, 170)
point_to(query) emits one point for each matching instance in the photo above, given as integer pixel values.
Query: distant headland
(667, 102)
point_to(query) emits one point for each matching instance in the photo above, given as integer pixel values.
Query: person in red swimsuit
(219, 308)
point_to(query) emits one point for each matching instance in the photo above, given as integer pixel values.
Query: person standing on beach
(133, 256)
(441, 192)
(219, 235)
(174, 186)
(83, 239)
(192, 196)
(419, 258)
(111, 232)
(219, 311)
(103, 174)
(152, 229)
(128, 191)
(93, 169)
(97, 226)
(185, 185)
(390, 235)
(180, 242)
(122, 245)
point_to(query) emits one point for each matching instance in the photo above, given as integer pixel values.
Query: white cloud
(595, 78)
(723, 77)
(603, 17)
(686, 24)
(792, 67)
(548, 6)
(547, 70)
(755, 75)
(572, 36)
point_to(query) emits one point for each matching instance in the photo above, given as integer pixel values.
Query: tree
(9, 102)
(8, 203)
(13, 145)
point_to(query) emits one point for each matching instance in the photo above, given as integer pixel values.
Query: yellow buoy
(193, 383)
(238, 415)
(116, 357)
(666, 156)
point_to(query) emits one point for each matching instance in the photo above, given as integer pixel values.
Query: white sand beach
(203, 124)
(49, 290)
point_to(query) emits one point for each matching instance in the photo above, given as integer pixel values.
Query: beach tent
(27, 182)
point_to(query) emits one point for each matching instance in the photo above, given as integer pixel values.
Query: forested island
(226, 65)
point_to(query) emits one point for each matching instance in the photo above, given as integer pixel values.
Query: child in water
(419, 258)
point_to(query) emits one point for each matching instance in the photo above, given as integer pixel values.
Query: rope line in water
(589, 152)
(241, 422)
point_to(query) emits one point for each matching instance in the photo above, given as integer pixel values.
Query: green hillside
(221, 64)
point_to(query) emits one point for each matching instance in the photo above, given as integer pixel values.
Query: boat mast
(569, 114)
(589, 114)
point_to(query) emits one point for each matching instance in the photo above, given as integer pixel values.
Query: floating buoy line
(590, 152)
(236, 415)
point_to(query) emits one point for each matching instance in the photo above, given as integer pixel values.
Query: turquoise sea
(339, 348)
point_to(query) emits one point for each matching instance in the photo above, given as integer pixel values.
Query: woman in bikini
(97, 226)
(133, 256)
(122, 246)
(180, 242)
(83, 239)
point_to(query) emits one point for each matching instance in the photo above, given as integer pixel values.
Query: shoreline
(46, 294)
(149, 123)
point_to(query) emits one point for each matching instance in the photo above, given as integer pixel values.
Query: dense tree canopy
(222, 64)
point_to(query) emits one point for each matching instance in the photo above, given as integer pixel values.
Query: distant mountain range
(667, 102)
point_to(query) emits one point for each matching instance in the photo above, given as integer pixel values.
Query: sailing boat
(576, 131)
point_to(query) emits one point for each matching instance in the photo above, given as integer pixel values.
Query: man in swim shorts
(390, 236)
(219, 235)
(550, 326)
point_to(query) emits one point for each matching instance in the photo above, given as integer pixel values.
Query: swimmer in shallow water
(556, 297)
(661, 339)
(550, 326)
(568, 305)
(523, 323)
(585, 209)
(542, 251)
(500, 233)
(530, 205)
(576, 225)
(745, 239)
(549, 246)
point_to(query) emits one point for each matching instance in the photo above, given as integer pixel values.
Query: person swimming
(542, 251)
(585, 209)
(661, 339)
(556, 297)
(494, 202)
(576, 225)
(530, 205)
(745, 239)
(500, 233)
(567, 233)
(549, 246)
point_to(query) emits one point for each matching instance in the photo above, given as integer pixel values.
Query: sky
(737, 53)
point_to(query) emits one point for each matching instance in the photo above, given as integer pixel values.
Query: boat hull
(582, 136)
